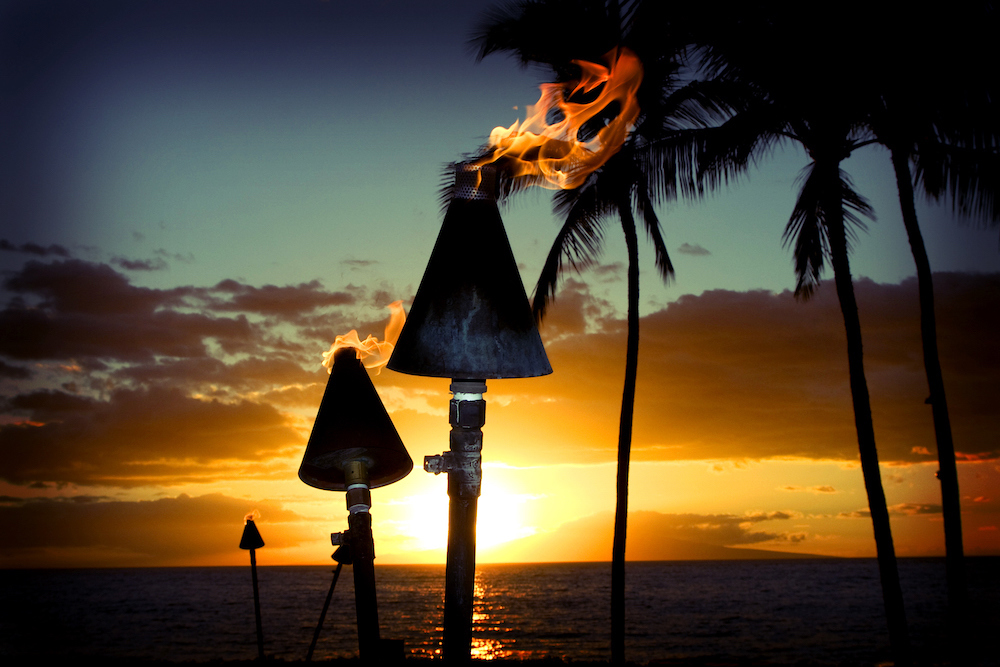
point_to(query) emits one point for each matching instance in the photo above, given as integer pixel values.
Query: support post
(359, 501)
(463, 463)
(256, 604)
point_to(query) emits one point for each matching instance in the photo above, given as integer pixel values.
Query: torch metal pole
(359, 501)
(463, 463)
(256, 604)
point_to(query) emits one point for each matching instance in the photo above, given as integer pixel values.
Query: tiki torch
(470, 321)
(252, 541)
(354, 448)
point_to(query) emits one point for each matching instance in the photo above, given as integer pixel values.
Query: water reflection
(488, 625)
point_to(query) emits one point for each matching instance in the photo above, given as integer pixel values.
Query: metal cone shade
(470, 317)
(251, 537)
(352, 425)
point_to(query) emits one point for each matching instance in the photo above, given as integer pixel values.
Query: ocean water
(786, 612)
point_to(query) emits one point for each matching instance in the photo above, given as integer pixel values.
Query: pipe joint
(438, 463)
(464, 469)
(359, 498)
(466, 413)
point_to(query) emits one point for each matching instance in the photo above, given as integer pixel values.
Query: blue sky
(276, 141)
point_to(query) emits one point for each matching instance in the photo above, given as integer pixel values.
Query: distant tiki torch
(252, 541)
(470, 322)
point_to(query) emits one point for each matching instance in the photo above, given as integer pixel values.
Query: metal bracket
(439, 463)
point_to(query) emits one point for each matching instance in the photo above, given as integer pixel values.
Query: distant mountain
(651, 536)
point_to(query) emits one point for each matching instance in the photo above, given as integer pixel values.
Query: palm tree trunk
(948, 471)
(625, 438)
(892, 594)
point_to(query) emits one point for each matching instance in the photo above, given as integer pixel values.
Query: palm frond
(854, 206)
(578, 244)
(652, 224)
(967, 177)
(729, 151)
(806, 234)
(807, 229)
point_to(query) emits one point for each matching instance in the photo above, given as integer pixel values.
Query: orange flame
(252, 516)
(372, 352)
(553, 152)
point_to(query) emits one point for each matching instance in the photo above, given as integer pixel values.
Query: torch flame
(372, 352)
(252, 516)
(553, 153)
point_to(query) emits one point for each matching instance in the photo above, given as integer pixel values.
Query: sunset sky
(197, 197)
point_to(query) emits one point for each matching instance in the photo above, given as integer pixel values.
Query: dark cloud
(756, 375)
(274, 300)
(156, 264)
(692, 249)
(35, 249)
(359, 263)
(168, 531)
(14, 372)
(139, 437)
(81, 310)
(158, 386)
(138, 335)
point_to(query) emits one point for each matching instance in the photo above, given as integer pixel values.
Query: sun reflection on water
(486, 622)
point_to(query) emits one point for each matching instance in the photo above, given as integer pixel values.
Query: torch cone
(470, 317)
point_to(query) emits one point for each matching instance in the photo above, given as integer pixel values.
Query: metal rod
(460, 580)
(463, 463)
(359, 521)
(364, 585)
(256, 604)
(322, 614)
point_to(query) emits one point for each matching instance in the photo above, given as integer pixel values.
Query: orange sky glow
(743, 440)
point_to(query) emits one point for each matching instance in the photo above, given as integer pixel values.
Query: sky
(198, 197)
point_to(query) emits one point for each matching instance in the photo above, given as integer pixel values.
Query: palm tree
(948, 133)
(784, 83)
(626, 187)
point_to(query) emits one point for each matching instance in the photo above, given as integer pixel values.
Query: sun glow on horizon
(500, 518)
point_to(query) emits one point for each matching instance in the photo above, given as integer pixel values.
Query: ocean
(815, 612)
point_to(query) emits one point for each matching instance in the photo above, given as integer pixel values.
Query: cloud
(132, 386)
(156, 264)
(811, 489)
(86, 530)
(14, 372)
(692, 249)
(35, 249)
(275, 300)
(140, 437)
(125, 378)
(759, 375)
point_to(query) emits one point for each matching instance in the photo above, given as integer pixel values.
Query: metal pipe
(322, 614)
(463, 464)
(256, 604)
(359, 501)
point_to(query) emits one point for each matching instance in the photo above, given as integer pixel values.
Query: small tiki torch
(252, 541)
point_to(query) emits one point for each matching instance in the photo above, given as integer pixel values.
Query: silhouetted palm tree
(789, 83)
(626, 188)
(926, 110)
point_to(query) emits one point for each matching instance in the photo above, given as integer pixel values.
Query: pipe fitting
(439, 463)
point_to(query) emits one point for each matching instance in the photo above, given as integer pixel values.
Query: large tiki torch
(470, 321)
(354, 447)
